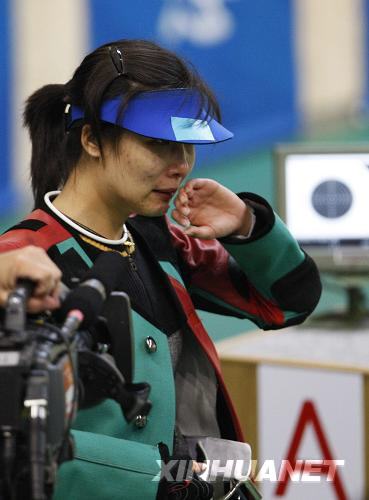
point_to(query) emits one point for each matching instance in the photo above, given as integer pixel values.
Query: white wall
(50, 38)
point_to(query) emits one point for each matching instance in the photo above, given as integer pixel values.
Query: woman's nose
(181, 159)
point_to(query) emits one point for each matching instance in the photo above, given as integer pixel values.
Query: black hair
(146, 66)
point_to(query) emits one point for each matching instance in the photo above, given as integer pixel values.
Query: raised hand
(33, 263)
(207, 210)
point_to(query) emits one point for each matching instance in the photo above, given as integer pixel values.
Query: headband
(172, 115)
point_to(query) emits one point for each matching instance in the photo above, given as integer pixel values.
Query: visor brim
(173, 115)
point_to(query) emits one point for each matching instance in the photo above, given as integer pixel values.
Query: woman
(111, 149)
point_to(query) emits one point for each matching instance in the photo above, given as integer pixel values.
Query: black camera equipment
(48, 371)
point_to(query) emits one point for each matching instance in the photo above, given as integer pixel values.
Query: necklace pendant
(130, 247)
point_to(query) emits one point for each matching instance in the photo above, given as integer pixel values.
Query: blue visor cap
(171, 115)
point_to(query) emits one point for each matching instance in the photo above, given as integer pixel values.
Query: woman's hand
(209, 210)
(32, 263)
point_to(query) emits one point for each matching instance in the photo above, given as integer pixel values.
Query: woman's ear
(89, 142)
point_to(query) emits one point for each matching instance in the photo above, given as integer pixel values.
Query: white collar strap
(81, 229)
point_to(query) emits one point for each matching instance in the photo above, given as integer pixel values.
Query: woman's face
(144, 174)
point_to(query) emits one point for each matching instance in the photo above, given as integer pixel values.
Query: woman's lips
(165, 194)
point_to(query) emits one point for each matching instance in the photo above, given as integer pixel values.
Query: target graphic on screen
(326, 196)
(332, 199)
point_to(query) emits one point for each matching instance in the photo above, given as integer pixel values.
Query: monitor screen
(323, 196)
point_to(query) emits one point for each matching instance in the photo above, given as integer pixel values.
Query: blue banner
(7, 198)
(366, 48)
(244, 50)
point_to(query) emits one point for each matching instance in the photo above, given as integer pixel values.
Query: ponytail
(44, 118)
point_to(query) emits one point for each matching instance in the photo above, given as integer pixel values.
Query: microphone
(83, 304)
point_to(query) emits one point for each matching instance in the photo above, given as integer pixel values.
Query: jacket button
(150, 345)
(140, 421)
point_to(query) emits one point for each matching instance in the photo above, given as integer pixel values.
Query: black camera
(49, 370)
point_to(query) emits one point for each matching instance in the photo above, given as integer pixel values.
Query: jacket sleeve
(9, 242)
(108, 468)
(266, 278)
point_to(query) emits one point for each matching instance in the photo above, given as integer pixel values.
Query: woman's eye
(160, 142)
